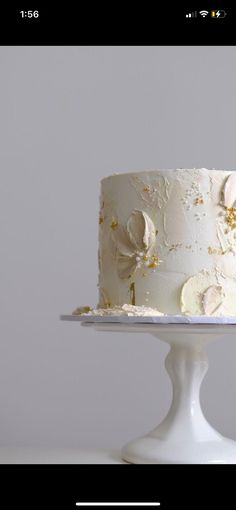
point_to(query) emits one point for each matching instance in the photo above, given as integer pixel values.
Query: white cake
(167, 242)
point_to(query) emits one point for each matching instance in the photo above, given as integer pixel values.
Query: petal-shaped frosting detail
(209, 293)
(192, 292)
(126, 266)
(230, 191)
(212, 298)
(149, 233)
(133, 244)
(141, 230)
(122, 241)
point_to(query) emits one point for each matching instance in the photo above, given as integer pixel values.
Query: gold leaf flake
(132, 293)
(215, 251)
(81, 309)
(154, 261)
(114, 223)
(175, 246)
(199, 200)
(231, 216)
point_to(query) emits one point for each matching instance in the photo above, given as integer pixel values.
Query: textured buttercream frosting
(167, 242)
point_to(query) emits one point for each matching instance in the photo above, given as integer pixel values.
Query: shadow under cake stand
(184, 436)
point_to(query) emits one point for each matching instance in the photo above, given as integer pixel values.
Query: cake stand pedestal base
(184, 436)
(151, 450)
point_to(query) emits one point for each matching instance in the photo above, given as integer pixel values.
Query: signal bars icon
(191, 14)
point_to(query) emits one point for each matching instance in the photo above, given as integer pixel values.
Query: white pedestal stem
(186, 364)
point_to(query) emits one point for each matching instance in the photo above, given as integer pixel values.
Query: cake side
(167, 241)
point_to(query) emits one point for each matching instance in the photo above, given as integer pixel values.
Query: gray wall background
(68, 117)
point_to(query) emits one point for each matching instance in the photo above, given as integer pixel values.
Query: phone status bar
(215, 14)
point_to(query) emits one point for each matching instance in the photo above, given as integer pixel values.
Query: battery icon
(218, 14)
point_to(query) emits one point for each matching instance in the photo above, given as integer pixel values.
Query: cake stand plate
(184, 436)
(150, 319)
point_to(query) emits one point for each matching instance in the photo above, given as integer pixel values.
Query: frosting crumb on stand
(140, 311)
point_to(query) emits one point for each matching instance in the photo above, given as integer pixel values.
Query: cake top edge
(162, 170)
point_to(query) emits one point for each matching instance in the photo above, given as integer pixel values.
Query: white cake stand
(184, 436)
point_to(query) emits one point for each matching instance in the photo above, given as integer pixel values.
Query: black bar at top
(117, 24)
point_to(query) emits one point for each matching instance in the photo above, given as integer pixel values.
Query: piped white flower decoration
(135, 244)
